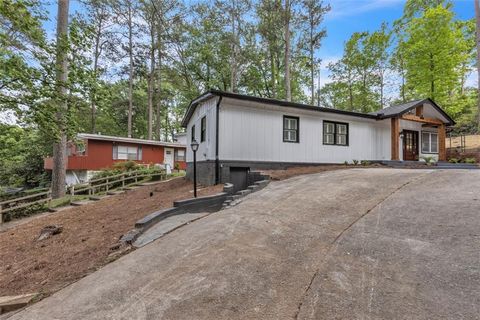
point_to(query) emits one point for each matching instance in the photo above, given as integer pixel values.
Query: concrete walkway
(352, 244)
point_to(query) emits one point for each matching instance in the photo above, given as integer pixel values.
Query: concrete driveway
(351, 244)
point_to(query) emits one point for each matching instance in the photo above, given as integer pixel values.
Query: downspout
(217, 162)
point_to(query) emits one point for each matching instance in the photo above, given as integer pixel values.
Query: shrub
(355, 162)
(470, 160)
(453, 160)
(365, 163)
(177, 166)
(429, 160)
(346, 163)
(126, 166)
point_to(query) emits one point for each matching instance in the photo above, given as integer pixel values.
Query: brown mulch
(295, 171)
(88, 238)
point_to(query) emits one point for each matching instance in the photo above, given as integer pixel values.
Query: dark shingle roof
(388, 112)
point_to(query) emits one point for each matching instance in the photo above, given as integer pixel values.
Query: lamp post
(194, 146)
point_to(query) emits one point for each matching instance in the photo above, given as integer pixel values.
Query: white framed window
(335, 133)
(429, 142)
(127, 152)
(290, 129)
(179, 155)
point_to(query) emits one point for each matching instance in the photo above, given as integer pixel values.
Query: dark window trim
(421, 142)
(192, 132)
(335, 133)
(203, 128)
(298, 129)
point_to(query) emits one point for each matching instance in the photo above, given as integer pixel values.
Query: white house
(237, 133)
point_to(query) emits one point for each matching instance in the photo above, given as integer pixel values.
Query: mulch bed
(87, 240)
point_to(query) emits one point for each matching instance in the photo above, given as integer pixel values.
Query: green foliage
(21, 157)
(429, 160)
(470, 160)
(126, 166)
(355, 162)
(365, 163)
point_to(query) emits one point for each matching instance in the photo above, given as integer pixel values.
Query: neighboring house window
(335, 133)
(127, 152)
(179, 155)
(193, 133)
(290, 129)
(429, 142)
(203, 129)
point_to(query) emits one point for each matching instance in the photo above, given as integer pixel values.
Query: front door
(410, 145)
(168, 157)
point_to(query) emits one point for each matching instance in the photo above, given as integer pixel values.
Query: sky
(349, 16)
(345, 18)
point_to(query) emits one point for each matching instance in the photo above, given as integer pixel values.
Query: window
(127, 152)
(193, 133)
(203, 129)
(290, 129)
(429, 142)
(335, 133)
(179, 155)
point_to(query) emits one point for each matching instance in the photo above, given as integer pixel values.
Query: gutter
(217, 161)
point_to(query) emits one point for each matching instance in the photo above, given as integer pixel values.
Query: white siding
(256, 134)
(206, 149)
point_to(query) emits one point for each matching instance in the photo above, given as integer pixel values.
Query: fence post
(1, 214)
(49, 197)
(72, 192)
(106, 186)
(123, 180)
(136, 177)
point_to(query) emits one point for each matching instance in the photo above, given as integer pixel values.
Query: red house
(94, 152)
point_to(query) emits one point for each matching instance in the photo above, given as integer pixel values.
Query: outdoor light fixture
(401, 134)
(194, 146)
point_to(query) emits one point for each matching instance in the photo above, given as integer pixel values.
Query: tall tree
(477, 19)
(312, 16)
(287, 79)
(60, 146)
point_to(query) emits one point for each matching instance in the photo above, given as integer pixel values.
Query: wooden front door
(410, 145)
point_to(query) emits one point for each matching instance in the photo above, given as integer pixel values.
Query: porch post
(395, 131)
(442, 152)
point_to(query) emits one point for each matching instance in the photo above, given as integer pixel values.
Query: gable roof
(378, 115)
(89, 136)
(217, 93)
(399, 109)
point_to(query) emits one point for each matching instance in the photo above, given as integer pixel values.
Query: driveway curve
(350, 244)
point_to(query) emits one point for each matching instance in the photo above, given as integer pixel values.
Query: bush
(346, 163)
(126, 166)
(365, 163)
(453, 160)
(429, 160)
(470, 160)
(355, 162)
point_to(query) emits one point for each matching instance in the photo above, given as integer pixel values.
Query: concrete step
(11, 303)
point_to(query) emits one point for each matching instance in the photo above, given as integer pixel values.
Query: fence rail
(91, 188)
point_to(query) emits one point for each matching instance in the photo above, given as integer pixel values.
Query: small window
(335, 133)
(203, 129)
(127, 152)
(179, 155)
(193, 133)
(429, 142)
(290, 129)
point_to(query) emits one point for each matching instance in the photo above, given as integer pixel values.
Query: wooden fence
(24, 202)
(100, 185)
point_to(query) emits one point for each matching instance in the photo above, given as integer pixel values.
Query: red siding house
(94, 152)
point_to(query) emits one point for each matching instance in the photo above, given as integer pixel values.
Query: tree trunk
(130, 70)
(288, 90)
(158, 128)
(96, 56)
(60, 146)
(151, 80)
(477, 16)
(233, 75)
(312, 67)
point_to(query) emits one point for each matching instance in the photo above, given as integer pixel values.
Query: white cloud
(345, 8)
(472, 80)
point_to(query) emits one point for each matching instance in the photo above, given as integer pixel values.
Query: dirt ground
(89, 233)
(295, 171)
